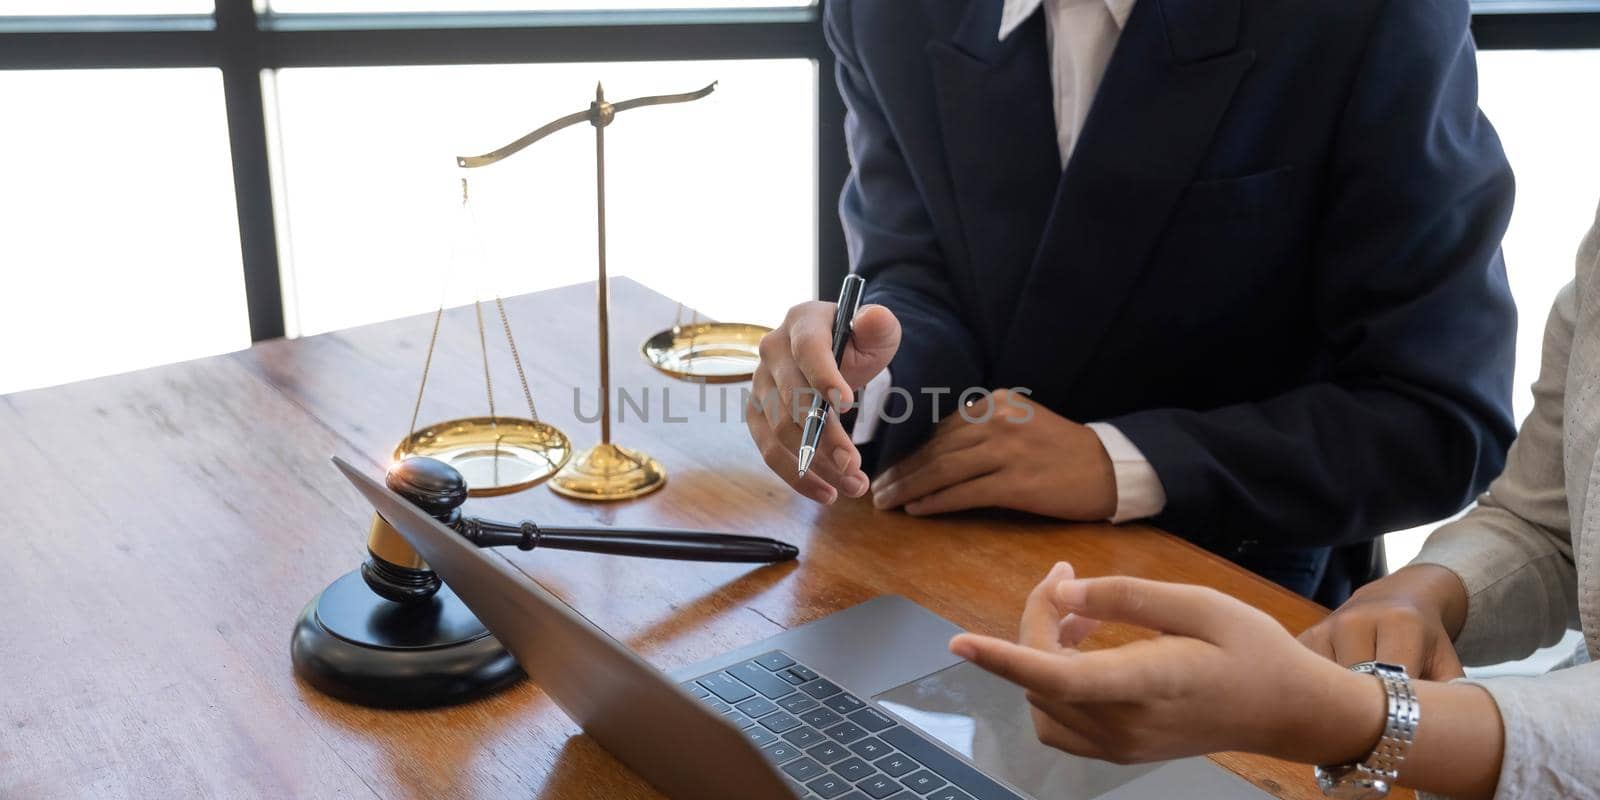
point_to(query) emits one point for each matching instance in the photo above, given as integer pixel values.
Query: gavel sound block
(391, 634)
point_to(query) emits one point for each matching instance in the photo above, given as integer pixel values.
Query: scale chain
(483, 345)
(427, 362)
(516, 358)
(433, 341)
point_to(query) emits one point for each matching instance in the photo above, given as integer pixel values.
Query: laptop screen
(987, 720)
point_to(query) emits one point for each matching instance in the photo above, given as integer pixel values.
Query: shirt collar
(1015, 12)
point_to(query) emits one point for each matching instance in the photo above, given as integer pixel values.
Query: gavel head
(393, 569)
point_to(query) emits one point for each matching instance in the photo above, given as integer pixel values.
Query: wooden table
(162, 530)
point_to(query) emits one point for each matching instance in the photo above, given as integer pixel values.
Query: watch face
(1379, 668)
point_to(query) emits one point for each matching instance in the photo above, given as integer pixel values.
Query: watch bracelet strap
(1401, 716)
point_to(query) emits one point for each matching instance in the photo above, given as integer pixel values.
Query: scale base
(609, 472)
(358, 647)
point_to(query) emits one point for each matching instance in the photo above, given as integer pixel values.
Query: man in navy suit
(1233, 267)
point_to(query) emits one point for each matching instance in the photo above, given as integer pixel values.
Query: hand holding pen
(844, 318)
(798, 364)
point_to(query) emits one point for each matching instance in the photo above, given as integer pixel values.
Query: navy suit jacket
(1272, 261)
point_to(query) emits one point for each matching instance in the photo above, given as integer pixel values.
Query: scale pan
(707, 352)
(497, 455)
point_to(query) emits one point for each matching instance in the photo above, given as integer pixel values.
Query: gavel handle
(678, 545)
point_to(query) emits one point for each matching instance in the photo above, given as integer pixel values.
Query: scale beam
(599, 113)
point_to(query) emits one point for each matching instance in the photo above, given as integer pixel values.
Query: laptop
(864, 704)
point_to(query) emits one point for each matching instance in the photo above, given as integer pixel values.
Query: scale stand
(606, 471)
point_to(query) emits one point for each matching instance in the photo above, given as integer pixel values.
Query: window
(699, 196)
(119, 240)
(56, 8)
(467, 6)
(295, 253)
(1541, 103)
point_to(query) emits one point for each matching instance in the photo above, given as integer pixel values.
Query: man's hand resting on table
(1005, 451)
(797, 361)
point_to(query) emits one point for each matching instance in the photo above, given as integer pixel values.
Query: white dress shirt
(1082, 35)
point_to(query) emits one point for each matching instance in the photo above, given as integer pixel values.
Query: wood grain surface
(164, 528)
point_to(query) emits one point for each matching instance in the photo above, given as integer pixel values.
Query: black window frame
(244, 42)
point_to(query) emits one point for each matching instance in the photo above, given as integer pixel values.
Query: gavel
(396, 572)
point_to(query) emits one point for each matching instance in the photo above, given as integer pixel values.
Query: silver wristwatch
(1371, 779)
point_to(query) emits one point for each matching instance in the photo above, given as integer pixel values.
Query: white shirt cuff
(869, 407)
(1139, 490)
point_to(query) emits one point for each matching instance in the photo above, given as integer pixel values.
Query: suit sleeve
(1411, 415)
(892, 244)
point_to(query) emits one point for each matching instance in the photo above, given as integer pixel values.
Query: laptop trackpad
(986, 720)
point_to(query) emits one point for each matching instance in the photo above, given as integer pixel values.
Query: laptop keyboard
(832, 745)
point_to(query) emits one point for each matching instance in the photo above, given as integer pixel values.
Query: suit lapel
(996, 112)
(1166, 89)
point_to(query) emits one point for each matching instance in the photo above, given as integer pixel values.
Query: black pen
(843, 319)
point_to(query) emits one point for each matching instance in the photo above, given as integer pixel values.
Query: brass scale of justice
(500, 455)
